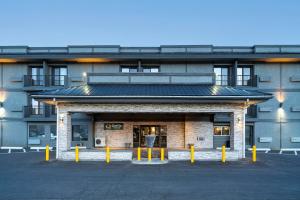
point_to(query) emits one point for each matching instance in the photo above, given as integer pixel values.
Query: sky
(149, 22)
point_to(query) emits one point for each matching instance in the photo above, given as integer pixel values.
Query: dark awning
(157, 92)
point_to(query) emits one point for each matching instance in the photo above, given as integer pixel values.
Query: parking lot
(27, 176)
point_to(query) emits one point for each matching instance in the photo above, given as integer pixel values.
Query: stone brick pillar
(63, 132)
(237, 137)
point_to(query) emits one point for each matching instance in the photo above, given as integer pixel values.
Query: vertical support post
(76, 154)
(149, 154)
(107, 154)
(139, 153)
(223, 154)
(192, 154)
(162, 154)
(47, 153)
(254, 153)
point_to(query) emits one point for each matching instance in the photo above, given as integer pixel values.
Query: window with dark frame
(222, 130)
(135, 69)
(36, 131)
(79, 133)
(221, 75)
(59, 74)
(150, 69)
(129, 69)
(37, 75)
(244, 75)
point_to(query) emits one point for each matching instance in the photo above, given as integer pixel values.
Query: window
(52, 132)
(80, 133)
(221, 130)
(244, 75)
(37, 107)
(58, 76)
(36, 131)
(221, 75)
(129, 69)
(37, 75)
(135, 69)
(151, 69)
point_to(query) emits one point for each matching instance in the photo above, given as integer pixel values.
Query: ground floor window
(139, 133)
(36, 131)
(80, 133)
(41, 134)
(221, 135)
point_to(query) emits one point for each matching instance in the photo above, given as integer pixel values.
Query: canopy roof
(157, 92)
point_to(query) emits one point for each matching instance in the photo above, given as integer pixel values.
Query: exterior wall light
(84, 74)
(61, 118)
(280, 105)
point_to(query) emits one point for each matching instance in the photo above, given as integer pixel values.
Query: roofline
(153, 97)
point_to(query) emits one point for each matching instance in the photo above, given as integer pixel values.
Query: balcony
(38, 81)
(39, 112)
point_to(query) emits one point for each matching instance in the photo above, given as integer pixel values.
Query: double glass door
(139, 133)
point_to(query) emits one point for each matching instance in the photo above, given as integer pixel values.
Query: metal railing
(39, 111)
(45, 80)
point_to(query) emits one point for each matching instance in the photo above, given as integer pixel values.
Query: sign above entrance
(113, 126)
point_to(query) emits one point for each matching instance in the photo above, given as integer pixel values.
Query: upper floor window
(59, 76)
(36, 75)
(150, 69)
(135, 69)
(244, 75)
(129, 69)
(221, 75)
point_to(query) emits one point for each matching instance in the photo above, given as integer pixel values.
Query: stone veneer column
(237, 131)
(63, 132)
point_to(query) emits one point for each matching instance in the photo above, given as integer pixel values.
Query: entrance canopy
(152, 93)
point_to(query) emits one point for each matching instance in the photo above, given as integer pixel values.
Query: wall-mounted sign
(113, 126)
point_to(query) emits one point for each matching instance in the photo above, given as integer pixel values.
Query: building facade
(39, 82)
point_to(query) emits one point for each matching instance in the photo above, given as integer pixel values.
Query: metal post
(76, 154)
(223, 154)
(139, 153)
(254, 153)
(192, 154)
(47, 153)
(107, 154)
(149, 154)
(162, 154)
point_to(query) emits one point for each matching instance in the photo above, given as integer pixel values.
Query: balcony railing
(39, 111)
(46, 81)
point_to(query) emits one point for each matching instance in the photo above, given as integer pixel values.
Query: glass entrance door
(139, 133)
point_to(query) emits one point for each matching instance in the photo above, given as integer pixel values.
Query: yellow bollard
(139, 153)
(107, 155)
(162, 154)
(149, 154)
(223, 154)
(47, 153)
(254, 153)
(192, 154)
(76, 154)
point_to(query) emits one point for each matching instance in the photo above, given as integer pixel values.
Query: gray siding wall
(273, 77)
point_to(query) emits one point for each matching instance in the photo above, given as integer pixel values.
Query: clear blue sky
(149, 22)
